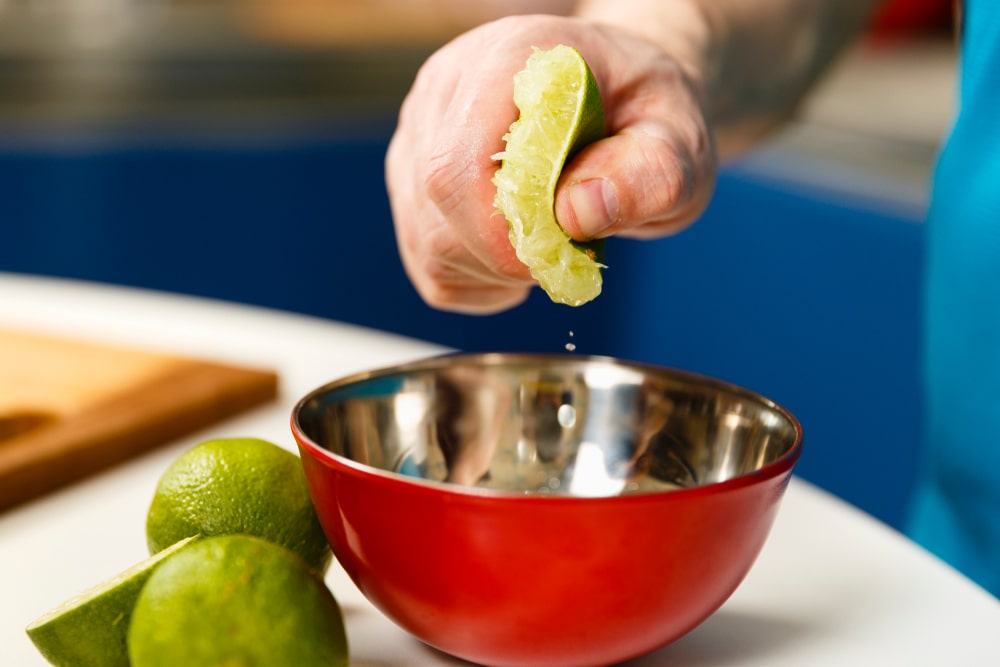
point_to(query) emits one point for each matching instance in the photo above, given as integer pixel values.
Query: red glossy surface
(542, 580)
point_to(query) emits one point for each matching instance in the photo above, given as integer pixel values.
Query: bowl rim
(780, 466)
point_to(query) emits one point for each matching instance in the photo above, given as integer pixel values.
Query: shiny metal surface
(548, 424)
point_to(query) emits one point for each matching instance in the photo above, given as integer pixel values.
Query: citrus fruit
(237, 485)
(560, 112)
(239, 601)
(90, 629)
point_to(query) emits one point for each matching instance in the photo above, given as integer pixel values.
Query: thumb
(642, 182)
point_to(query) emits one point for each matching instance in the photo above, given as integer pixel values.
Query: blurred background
(234, 150)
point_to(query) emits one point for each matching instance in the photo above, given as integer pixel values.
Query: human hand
(651, 176)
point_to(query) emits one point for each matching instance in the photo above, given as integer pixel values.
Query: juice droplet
(570, 346)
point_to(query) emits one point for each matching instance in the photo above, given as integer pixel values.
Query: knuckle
(446, 182)
(437, 285)
(673, 172)
(682, 158)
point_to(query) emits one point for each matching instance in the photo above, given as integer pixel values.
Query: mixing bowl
(516, 509)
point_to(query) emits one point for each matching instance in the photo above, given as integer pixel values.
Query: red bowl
(496, 570)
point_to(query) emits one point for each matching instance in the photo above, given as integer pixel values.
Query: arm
(753, 60)
(683, 82)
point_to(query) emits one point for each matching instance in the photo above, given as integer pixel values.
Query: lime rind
(237, 600)
(90, 628)
(560, 112)
(238, 485)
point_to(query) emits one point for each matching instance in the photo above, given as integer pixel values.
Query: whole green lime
(236, 601)
(238, 486)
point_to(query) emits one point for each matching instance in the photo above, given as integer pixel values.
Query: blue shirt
(956, 511)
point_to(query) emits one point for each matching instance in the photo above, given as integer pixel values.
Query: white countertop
(832, 586)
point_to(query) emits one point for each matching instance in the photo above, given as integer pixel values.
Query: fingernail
(595, 206)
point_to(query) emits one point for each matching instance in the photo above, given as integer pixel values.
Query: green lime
(560, 112)
(90, 629)
(238, 485)
(236, 601)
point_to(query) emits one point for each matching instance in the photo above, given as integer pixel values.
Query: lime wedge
(560, 113)
(90, 629)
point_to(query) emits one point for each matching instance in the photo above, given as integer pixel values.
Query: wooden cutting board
(71, 408)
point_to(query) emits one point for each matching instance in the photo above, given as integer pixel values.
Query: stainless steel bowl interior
(561, 424)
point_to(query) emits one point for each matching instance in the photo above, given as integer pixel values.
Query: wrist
(684, 29)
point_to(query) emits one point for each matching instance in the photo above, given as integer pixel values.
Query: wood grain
(69, 409)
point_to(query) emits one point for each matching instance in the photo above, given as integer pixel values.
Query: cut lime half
(560, 113)
(90, 629)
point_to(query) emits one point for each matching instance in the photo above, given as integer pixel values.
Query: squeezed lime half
(560, 112)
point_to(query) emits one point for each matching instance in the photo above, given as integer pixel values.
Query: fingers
(653, 176)
(454, 245)
(447, 277)
(458, 186)
(633, 184)
(470, 267)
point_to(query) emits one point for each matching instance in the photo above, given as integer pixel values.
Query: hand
(652, 176)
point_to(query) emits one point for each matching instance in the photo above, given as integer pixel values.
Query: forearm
(753, 59)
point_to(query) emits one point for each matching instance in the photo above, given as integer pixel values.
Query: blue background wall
(809, 298)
